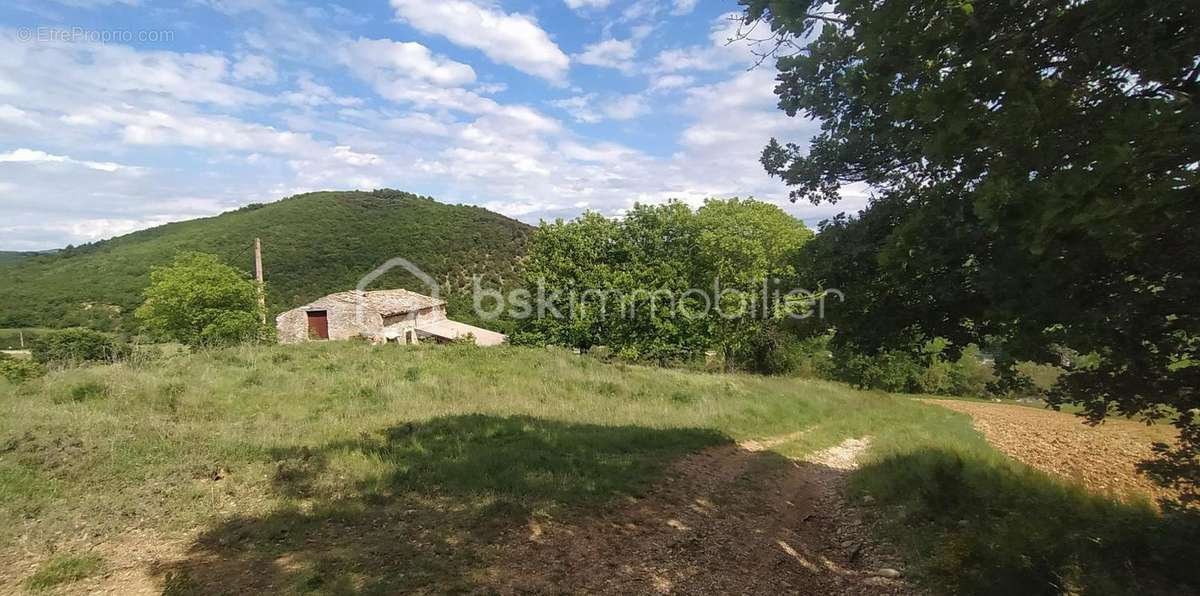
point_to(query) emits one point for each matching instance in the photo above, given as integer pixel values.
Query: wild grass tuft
(63, 569)
(85, 391)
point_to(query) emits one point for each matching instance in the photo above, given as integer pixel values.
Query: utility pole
(258, 275)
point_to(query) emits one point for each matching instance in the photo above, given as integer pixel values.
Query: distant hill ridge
(313, 244)
(12, 256)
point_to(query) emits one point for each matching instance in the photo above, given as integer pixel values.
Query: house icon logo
(434, 290)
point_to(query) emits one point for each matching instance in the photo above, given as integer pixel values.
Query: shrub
(88, 390)
(923, 370)
(889, 370)
(938, 374)
(972, 374)
(230, 328)
(18, 370)
(77, 346)
(813, 358)
(412, 374)
(628, 354)
(1036, 378)
(772, 352)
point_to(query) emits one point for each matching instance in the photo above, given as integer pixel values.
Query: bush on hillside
(973, 374)
(813, 358)
(77, 346)
(923, 369)
(19, 370)
(776, 351)
(889, 370)
(1036, 380)
(770, 352)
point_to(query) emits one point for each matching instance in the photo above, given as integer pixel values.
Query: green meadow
(309, 452)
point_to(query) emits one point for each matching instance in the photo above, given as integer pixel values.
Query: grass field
(293, 462)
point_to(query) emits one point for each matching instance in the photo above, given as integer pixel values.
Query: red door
(318, 324)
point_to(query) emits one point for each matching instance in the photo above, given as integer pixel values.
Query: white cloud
(579, 107)
(506, 38)
(590, 108)
(719, 54)
(670, 81)
(641, 10)
(387, 59)
(683, 7)
(100, 69)
(610, 53)
(345, 154)
(419, 124)
(34, 156)
(255, 68)
(600, 153)
(15, 116)
(311, 93)
(626, 107)
(578, 4)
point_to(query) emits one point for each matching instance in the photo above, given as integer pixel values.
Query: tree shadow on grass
(437, 496)
(979, 524)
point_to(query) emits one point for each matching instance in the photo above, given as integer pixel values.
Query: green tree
(747, 249)
(1034, 173)
(643, 285)
(615, 282)
(200, 301)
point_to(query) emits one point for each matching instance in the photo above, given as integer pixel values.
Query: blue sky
(117, 115)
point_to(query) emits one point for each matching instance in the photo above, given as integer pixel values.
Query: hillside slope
(14, 256)
(313, 244)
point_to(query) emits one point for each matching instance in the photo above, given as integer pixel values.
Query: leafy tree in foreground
(200, 301)
(1034, 167)
(644, 285)
(743, 245)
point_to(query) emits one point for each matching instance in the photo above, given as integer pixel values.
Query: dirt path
(1103, 458)
(736, 519)
(733, 519)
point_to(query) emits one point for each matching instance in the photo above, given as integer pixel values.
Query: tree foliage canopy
(1034, 167)
(645, 285)
(200, 301)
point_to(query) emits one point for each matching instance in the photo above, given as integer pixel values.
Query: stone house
(380, 316)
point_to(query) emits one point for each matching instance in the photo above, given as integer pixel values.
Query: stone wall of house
(396, 328)
(344, 323)
(292, 326)
(425, 315)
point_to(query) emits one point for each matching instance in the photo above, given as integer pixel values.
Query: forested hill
(10, 256)
(313, 244)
